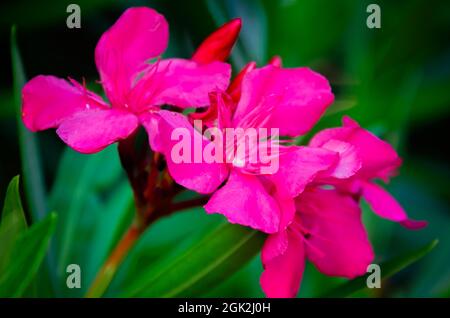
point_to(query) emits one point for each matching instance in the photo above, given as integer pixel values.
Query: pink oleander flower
(378, 160)
(326, 226)
(291, 100)
(134, 86)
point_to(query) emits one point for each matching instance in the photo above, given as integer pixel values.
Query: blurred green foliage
(395, 81)
(23, 249)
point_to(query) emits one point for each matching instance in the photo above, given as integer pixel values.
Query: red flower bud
(218, 45)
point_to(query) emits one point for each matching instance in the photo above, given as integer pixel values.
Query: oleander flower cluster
(308, 205)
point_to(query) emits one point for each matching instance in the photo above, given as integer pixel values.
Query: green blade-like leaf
(13, 222)
(388, 269)
(204, 265)
(109, 228)
(29, 149)
(13, 205)
(33, 178)
(26, 257)
(92, 204)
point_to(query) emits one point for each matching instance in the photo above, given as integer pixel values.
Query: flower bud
(218, 45)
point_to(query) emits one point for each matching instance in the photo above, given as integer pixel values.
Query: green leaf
(388, 269)
(200, 267)
(26, 257)
(29, 149)
(32, 174)
(12, 223)
(417, 193)
(111, 223)
(13, 205)
(243, 284)
(93, 201)
(160, 243)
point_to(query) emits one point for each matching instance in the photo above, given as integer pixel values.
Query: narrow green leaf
(13, 222)
(388, 269)
(13, 204)
(83, 193)
(165, 240)
(33, 178)
(204, 265)
(109, 227)
(29, 149)
(26, 257)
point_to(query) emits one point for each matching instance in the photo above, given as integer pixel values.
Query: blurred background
(394, 80)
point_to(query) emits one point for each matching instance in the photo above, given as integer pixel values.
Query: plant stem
(153, 199)
(188, 204)
(109, 268)
(136, 163)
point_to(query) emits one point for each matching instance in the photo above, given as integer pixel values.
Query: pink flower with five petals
(325, 225)
(378, 160)
(135, 87)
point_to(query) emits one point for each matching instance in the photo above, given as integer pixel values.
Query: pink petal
(150, 121)
(276, 61)
(293, 98)
(275, 245)
(299, 165)
(287, 209)
(181, 83)
(325, 135)
(383, 204)
(284, 270)
(194, 173)
(378, 158)
(349, 122)
(349, 162)
(244, 200)
(413, 224)
(335, 238)
(48, 100)
(92, 130)
(123, 50)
